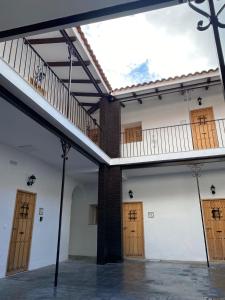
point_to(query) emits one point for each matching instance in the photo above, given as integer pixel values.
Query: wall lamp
(31, 180)
(213, 189)
(199, 101)
(131, 194)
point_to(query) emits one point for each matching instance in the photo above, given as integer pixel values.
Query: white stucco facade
(15, 168)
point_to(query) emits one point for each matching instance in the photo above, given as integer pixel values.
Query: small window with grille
(93, 214)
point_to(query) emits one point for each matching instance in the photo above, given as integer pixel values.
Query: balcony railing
(25, 60)
(174, 139)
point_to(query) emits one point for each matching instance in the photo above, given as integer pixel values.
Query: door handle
(132, 230)
(21, 232)
(219, 231)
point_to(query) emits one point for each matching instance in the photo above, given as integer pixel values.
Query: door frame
(143, 230)
(11, 235)
(210, 199)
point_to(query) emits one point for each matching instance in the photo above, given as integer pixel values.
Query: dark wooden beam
(66, 63)
(82, 81)
(157, 92)
(86, 94)
(44, 41)
(94, 108)
(80, 59)
(88, 104)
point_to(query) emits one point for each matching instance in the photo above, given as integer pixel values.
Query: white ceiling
(25, 135)
(16, 15)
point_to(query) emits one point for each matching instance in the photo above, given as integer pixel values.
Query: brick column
(109, 245)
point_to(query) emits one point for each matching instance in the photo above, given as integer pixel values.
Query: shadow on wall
(83, 233)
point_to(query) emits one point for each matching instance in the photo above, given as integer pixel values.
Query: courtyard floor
(85, 280)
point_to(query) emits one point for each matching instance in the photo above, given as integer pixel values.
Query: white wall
(83, 237)
(173, 109)
(175, 232)
(47, 187)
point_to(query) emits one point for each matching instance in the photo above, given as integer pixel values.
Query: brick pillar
(109, 245)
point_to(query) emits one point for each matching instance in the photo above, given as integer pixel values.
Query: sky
(150, 46)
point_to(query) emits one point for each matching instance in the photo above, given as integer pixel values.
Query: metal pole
(196, 175)
(214, 20)
(65, 148)
(69, 85)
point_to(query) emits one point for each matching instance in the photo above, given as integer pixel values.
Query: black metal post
(69, 83)
(214, 20)
(65, 149)
(196, 175)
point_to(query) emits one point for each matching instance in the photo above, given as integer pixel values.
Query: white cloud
(167, 39)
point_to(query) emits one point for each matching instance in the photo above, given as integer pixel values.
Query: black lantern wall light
(199, 101)
(31, 180)
(213, 189)
(131, 194)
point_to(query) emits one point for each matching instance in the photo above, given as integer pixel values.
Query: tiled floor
(84, 280)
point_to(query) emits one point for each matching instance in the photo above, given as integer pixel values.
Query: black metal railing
(173, 139)
(25, 60)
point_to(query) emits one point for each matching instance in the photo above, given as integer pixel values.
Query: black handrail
(173, 138)
(29, 64)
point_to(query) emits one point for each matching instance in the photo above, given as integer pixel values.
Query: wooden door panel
(21, 236)
(203, 127)
(214, 219)
(133, 239)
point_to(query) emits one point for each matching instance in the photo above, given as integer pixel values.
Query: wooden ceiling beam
(66, 63)
(81, 81)
(94, 108)
(45, 41)
(87, 104)
(86, 94)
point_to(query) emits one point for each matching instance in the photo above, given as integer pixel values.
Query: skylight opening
(151, 46)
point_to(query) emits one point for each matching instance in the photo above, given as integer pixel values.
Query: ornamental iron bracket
(65, 148)
(212, 19)
(196, 170)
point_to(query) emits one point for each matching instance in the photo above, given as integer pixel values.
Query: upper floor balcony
(203, 132)
(199, 135)
(28, 63)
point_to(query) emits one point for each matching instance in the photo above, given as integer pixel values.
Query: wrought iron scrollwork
(211, 19)
(65, 148)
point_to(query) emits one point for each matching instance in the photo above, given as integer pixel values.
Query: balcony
(24, 59)
(173, 139)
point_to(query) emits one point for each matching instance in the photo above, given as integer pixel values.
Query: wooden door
(214, 220)
(203, 127)
(21, 235)
(133, 233)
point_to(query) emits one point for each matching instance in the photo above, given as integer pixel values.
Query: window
(93, 214)
(132, 133)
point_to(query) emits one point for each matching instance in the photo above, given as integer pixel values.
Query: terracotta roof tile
(93, 56)
(164, 80)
